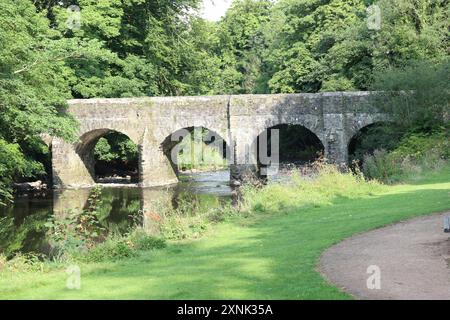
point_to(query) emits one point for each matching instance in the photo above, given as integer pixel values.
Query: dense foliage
(413, 155)
(123, 48)
(417, 97)
(33, 90)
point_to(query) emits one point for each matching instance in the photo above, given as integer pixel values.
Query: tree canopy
(124, 48)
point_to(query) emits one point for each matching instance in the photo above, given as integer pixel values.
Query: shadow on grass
(274, 258)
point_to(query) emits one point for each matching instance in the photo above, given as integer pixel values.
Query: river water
(22, 225)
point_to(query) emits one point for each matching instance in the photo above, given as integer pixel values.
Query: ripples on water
(22, 224)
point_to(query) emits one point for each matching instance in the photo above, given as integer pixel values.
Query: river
(22, 225)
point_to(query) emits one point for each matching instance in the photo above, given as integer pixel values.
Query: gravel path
(413, 258)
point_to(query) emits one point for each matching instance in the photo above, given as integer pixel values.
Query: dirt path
(413, 258)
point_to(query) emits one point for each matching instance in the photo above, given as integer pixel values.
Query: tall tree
(306, 31)
(33, 90)
(409, 31)
(241, 45)
(143, 47)
(317, 45)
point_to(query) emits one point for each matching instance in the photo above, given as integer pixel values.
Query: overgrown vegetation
(417, 95)
(126, 48)
(267, 252)
(197, 152)
(80, 235)
(417, 99)
(308, 192)
(415, 154)
(190, 218)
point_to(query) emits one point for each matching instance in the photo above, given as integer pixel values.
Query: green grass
(264, 256)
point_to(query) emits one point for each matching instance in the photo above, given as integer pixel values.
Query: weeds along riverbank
(262, 252)
(77, 236)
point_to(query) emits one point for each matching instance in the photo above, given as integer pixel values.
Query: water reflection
(22, 225)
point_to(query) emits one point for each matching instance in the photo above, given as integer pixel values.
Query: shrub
(111, 250)
(381, 166)
(190, 218)
(417, 95)
(416, 153)
(22, 262)
(302, 191)
(140, 240)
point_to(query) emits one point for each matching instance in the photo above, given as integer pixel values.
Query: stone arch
(364, 123)
(310, 139)
(213, 138)
(361, 121)
(86, 143)
(309, 122)
(355, 139)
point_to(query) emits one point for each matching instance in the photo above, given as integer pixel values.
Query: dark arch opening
(375, 136)
(38, 154)
(110, 156)
(298, 146)
(196, 148)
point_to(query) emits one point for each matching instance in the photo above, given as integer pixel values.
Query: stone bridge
(238, 119)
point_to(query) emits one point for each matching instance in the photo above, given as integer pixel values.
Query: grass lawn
(269, 257)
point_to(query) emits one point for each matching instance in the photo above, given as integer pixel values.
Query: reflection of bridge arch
(153, 202)
(333, 117)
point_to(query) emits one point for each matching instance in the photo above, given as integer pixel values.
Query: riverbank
(262, 256)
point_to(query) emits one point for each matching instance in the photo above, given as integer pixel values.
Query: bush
(302, 191)
(111, 250)
(417, 95)
(381, 166)
(140, 240)
(22, 262)
(418, 145)
(416, 153)
(77, 231)
(191, 217)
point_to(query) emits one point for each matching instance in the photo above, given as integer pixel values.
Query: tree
(417, 95)
(410, 31)
(141, 48)
(33, 90)
(327, 45)
(306, 31)
(241, 45)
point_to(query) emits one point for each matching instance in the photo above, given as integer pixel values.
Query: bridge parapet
(238, 119)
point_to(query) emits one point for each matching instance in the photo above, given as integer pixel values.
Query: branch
(37, 62)
(26, 67)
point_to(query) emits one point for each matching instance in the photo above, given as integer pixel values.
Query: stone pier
(150, 122)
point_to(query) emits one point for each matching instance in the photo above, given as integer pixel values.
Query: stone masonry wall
(237, 119)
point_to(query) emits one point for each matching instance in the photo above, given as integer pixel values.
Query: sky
(214, 9)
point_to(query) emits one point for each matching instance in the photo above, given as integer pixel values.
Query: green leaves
(241, 46)
(33, 90)
(116, 146)
(417, 96)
